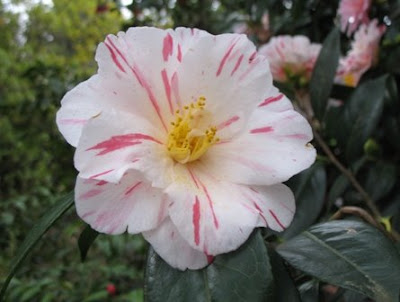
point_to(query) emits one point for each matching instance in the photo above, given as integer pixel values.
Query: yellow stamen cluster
(349, 80)
(189, 136)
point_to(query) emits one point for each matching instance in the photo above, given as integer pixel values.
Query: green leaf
(285, 290)
(35, 234)
(381, 178)
(30, 293)
(86, 238)
(309, 291)
(242, 275)
(324, 73)
(349, 254)
(97, 296)
(362, 114)
(392, 130)
(309, 189)
(392, 94)
(341, 183)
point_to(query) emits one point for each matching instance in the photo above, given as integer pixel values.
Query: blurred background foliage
(47, 48)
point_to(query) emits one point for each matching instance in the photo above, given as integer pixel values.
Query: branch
(368, 200)
(305, 106)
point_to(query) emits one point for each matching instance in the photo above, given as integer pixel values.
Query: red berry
(111, 289)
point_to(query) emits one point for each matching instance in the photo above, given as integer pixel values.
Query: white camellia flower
(182, 137)
(362, 55)
(291, 57)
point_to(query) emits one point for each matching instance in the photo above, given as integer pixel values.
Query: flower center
(191, 135)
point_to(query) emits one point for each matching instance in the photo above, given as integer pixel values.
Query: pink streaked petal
(140, 77)
(228, 122)
(275, 204)
(99, 94)
(237, 65)
(167, 86)
(271, 99)
(131, 205)
(196, 220)
(115, 58)
(168, 46)
(211, 215)
(121, 141)
(171, 247)
(266, 129)
(274, 148)
(100, 174)
(228, 94)
(226, 56)
(91, 193)
(148, 72)
(179, 55)
(175, 89)
(106, 151)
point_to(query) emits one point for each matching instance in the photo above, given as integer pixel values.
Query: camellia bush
(254, 146)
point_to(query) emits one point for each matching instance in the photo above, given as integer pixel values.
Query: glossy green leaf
(392, 94)
(349, 254)
(35, 234)
(284, 289)
(242, 275)
(352, 296)
(362, 114)
(324, 73)
(341, 183)
(392, 130)
(309, 189)
(86, 238)
(309, 291)
(381, 178)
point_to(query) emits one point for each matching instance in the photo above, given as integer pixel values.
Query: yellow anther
(190, 137)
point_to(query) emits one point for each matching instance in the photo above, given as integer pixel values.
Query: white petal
(135, 75)
(227, 71)
(142, 58)
(212, 216)
(131, 205)
(273, 147)
(170, 245)
(275, 204)
(114, 142)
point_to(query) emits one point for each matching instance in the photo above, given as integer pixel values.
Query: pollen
(190, 134)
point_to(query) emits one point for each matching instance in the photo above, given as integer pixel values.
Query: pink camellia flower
(291, 58)
(182, 137)
(362, 55)
(353, 13)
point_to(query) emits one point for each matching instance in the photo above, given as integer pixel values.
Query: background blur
(46, 48)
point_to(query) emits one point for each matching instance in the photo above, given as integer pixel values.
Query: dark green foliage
(309, 189)
(349, 254)
(243, 275)
(86, 239)
(35, 234)
(324, 73)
